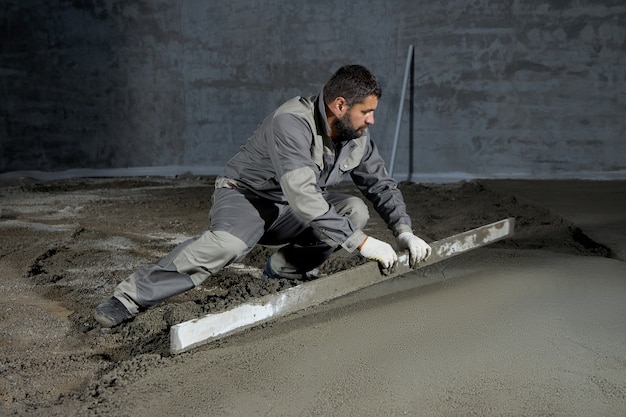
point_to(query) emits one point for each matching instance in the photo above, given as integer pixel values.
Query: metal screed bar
(192, 333)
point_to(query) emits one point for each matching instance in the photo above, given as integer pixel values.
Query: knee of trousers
(211, 252)
(356, 210)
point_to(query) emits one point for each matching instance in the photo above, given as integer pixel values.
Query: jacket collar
(320, 115)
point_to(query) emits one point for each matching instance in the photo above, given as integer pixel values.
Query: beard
(345, 129)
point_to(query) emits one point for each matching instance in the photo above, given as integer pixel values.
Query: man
(274, 192)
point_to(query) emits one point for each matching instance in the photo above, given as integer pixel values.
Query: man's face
(356, 119)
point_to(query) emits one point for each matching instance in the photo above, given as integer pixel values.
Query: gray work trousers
(239, 221)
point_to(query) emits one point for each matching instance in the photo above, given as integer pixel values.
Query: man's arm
(372, 179)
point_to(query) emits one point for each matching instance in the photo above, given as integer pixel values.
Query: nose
(369, 119)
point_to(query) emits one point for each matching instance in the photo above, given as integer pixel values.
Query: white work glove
(418, 249)
(379, 251)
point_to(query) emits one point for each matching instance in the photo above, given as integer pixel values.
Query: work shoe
(112, 312)
(268, 272)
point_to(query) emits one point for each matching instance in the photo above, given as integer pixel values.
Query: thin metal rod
(409, 58)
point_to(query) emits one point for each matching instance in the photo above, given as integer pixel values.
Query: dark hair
(354, 83)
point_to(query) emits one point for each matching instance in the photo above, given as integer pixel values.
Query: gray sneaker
(111, 313)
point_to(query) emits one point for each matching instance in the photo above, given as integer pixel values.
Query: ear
(339, 106)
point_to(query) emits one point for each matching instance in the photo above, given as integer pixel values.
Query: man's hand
(418, 249)
(379, 251)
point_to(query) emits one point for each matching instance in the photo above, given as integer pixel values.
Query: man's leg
(236, 226)
(306, 251)
(186, 267)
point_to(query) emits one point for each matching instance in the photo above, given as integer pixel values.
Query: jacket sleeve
(289, 145)
(372, 179)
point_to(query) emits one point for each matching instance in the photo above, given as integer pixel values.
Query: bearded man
(276, 191)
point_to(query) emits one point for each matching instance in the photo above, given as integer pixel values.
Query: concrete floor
(498, 332)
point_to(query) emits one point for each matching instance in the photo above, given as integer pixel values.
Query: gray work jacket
(291, 159)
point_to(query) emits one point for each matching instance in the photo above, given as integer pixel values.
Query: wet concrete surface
(502, 332)
(521, 335)
(534, 325)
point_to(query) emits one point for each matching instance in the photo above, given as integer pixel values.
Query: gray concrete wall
(508, 88)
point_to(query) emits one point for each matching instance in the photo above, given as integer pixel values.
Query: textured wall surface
(507, 88)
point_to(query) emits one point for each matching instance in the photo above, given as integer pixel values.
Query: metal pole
(409, 58)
